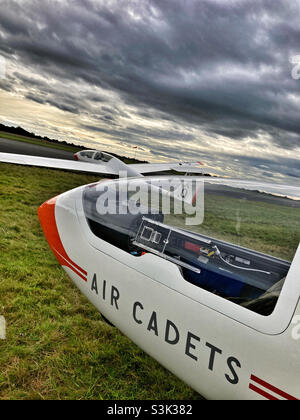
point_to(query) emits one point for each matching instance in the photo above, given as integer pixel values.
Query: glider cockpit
(102, 156)
(232, 272)
(245, 276)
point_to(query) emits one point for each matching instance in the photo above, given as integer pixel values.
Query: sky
(210, 80)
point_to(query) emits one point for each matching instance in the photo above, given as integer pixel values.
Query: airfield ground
(26, 146)
(13, 143)
(34, 141)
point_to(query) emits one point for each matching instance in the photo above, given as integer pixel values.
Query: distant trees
(22, 132)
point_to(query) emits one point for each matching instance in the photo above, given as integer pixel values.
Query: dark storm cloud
(221, 66)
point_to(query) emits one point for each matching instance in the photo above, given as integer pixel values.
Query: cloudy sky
(193, 79)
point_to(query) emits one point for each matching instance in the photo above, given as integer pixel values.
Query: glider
(103, 163)
(200, 285)
(220, 316)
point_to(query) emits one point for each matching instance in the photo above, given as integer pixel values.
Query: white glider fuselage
(123, 170)
(91, 161)
(221, 349)
(113, 163)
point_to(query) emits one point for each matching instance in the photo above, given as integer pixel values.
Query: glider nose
(46, 214)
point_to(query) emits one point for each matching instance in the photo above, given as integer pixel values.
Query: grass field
(57, 345)
(265, 226)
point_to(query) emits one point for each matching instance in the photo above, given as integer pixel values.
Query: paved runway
(22, 148)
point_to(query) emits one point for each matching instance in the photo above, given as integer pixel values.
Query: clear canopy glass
(233, 238)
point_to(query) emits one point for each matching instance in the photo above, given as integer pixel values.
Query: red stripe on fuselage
(263, 393)
(270, 388)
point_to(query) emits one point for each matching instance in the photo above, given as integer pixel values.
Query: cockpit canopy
(102, 156)
(87, 154)
(97, 156)
(233, 239)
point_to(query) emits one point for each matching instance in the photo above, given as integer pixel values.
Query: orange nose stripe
(46, 213)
